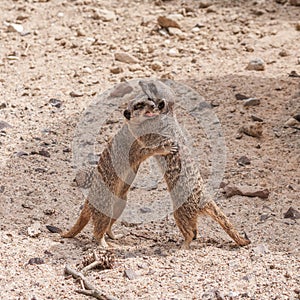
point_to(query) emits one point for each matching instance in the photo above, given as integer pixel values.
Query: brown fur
(105, 173)
(179, 171)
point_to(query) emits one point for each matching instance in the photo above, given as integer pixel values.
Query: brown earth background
(66, 50)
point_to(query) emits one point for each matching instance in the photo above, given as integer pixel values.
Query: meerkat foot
(103, 243)
(113, 236)
(185, 245)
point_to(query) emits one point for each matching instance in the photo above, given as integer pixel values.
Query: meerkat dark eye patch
(161, 105)
(139, 106)
(127, 114)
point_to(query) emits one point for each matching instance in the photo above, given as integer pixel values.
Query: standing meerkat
(183, 179)
(110, 181)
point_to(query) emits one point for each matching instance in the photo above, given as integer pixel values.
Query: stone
(125, 58)
(256, 64)
(116, 70)
(291, 122)
(292, 214)
(205, 3)
(15, 28)
(34, 230)
(76, 94)
(156, 66)
(173, 52)
(135, 67)
(243, 161)
(283, 53)
(36, 261)
(4, 124)
(55, 102)
(251, 102)
(130, 274)
(298, 26)
(177, 32)
(104, 15)
(167, 22)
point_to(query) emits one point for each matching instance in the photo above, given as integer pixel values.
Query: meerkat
(110, 181)
(183, 179)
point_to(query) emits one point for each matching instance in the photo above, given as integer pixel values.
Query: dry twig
(90, 289)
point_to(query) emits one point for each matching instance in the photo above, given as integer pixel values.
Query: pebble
(283, 53)
(104, 15)
(261, 249)
(116, 70)
(298, 26)
(166, 22)
(251, 102)
(173, 52)
(11, 27)
(76, 94)
(130, 274)
(291, 123)
(34, 230)
(4, 124)
(36, 261)
(256, 64)
(55, 102)
(135, 67)
(205, 3)
(177, 32)
(243, 161)
(156, 66)
(125, 58)
(292, 214)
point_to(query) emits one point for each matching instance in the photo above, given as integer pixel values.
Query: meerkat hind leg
(110, 233)
(187, 225)
(216, 214)
(81, 222)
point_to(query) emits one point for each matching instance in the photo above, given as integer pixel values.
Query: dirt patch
(63, 57)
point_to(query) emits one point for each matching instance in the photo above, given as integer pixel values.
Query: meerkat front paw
(174, 148)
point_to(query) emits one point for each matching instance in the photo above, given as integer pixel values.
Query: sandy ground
(67, 49)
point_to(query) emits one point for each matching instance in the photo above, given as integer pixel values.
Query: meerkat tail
(83, 219)
(215, 213)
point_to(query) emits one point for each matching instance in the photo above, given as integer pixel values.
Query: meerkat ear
(149, 89)
(127, 114)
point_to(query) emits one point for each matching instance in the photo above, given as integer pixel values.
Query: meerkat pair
(151, 130)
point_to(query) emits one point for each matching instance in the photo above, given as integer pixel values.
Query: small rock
(36, 261)
(3, 105)
(135, 67)
(145, 210)
(116, 70)
(4, 124)
(49, 211)
(173, 52)
(22, 17)
(281, 1)
(76, 94)
(294, 74)
(80, 32)
(264, 217)
(298, 26)
(167, 22)
(251, 102)
(254, 130)
(15, 28)
(130, 274)
(104, 15)
(177, 32)
(21, 153)
(121, 90)
(256, 64)
(283, 53)
(205, 3)
(292, 214)
(34, 230)
(295, 2)
(261, 249)
(156, 66)
(55, 102)
(239, 96)
(243, 161)
(125, 58)
(292, 122)
(256, 119)
(2, 188)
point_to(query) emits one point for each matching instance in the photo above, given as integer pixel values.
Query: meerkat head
(148, 105)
